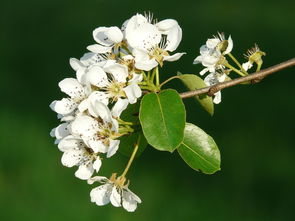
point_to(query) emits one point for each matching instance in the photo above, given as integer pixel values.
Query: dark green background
(253, 126)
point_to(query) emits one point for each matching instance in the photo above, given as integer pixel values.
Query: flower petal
(70, 142)
(130, 200)
(229, 46)
(114, 146)
(64, 106)
(174, 57)
(72, 157)
(116, 197)
(100, 179)
(97, 164)
(119, 107)
(119, 72)
(174, 37)
(84, 171)
(100, 49)
(96, 76)
(101, 194)
(72, 87)
(76, 64)
(84, 126)
(99, 109)
(61, 131)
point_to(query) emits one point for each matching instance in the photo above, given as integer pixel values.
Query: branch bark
(253, 78)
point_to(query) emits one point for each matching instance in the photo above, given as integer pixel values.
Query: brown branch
(253, 78)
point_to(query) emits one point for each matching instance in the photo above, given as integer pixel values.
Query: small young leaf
(162, 117)
(193, 82)
(199, 150)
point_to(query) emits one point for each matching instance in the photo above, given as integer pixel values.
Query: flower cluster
(108, 78)
(212, 57)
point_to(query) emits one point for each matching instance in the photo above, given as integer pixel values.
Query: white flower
(212, 79)
(115, 86)
(99, 130)
(77, 94)
(113, 190)
(76, 153)
(152, 43)
(213, 52)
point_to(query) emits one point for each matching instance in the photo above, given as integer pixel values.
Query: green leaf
(193, 82)
(199, 150)
(162, 117)
(127, 142)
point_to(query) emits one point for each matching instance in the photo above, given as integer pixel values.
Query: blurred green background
(253, 126)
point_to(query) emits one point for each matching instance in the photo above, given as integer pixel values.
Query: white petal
(120, 72)
(166, 24)
(76, 64)
(132, 92)
(136, 78)
(114, 34)
(83, 106)
(119, 107)
(61, 131)
(130, 201)
(72, 87)
(146, 65)
(99, 109)
(143, 36)
(84, 171)
(69, 142)
(97, 164)
(101, 194)
(72, 157)
(204, 71)
(198, 59)
(173, 38)
(212, 42)
(114, 146)
(64, 106)
(115, 197)
(84, 126)
(247, 65)
(217, 97)
(99, 96)
(100, 179)
(229, 46)
(174, 57)
(96, 76)
(100, 49)
(97, 146)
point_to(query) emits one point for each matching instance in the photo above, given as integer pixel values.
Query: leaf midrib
(200, 155)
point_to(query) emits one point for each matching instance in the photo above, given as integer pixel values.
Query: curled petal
(84, 126)
(174, 37)
(229, 46)
(97, 164)
(69, 142)
(107, 36)
(72, 157)
(76, 64)
(166, 25)
(99, 109)
(132, 92)
(100, 49)
(96, 76)
(100, 179)
(174, 57)
(60, 131)
(217, 98)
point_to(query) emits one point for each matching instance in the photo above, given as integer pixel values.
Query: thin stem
(169, 79)
(250, 78)
(131, 158)
(258, 67)
(237, 63)
(157, 77)
(234, 69)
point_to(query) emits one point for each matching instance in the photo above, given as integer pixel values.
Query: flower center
(116, 91)
(158, 53)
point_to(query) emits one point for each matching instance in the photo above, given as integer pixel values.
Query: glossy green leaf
(162, 117)
(193, 82)
(199, 150)
(127, 142)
